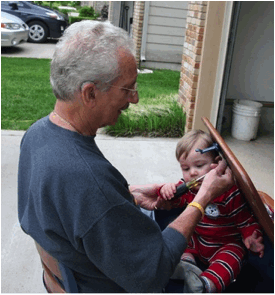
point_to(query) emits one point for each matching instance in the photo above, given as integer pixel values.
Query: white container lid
(247, 104)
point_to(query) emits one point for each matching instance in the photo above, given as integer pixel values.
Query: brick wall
(110, 11)
(137, 27)
(191, 58)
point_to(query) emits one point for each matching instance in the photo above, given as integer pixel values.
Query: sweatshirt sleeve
(129, 248)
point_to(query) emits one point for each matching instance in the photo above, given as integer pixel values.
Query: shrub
(86, 11)
(74, 19)
(63, 3)
(64, 11)
(74, 3)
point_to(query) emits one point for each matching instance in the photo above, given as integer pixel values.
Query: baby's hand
(167, 191)
(255, 244)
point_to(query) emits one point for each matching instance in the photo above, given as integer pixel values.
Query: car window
(19, 3)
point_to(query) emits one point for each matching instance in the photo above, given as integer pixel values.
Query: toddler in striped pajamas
(226, 230)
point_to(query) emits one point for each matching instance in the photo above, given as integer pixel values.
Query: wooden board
(244, 182)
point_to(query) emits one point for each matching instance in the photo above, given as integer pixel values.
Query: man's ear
(88, 94)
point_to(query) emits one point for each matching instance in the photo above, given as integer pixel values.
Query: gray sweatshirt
(77, 206)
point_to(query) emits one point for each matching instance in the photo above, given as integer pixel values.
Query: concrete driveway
(140, 160)
(31, 50)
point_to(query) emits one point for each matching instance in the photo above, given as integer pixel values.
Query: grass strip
(166, 120)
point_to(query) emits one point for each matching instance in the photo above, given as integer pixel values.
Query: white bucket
(246, 117)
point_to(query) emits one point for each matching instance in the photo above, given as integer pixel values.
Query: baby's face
(196, 164)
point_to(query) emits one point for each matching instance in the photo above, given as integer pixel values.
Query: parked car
(43, 22)
(13, 30)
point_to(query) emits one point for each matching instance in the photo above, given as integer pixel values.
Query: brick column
(110, 11)
(191, 58)
(137, 27)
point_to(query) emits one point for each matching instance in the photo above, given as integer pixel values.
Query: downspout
(121, 15)
(144, 30)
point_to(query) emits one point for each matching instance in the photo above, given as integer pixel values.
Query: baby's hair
(187, 142)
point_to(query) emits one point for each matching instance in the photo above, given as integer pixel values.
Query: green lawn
(27, 97)
(26, 94)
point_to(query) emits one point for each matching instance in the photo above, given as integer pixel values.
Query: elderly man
(72, 201)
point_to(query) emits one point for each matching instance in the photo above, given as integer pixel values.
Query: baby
(224, 232)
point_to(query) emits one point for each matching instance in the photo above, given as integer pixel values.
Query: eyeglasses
(132, 91)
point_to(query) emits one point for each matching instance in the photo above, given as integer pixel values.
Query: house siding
(165, 34)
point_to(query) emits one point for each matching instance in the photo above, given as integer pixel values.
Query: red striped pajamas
(217, 240)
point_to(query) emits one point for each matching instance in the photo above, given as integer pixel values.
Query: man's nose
(134, 99)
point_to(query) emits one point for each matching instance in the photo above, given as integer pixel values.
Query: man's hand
(215, 183)
(255, 244)
(147, 198)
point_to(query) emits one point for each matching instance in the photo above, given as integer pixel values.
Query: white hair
(87, 52)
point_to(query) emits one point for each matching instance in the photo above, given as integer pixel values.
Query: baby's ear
(217, 159)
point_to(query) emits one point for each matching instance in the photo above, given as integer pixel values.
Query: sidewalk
(140, 160)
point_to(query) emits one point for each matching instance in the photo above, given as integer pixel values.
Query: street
(31, 50)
